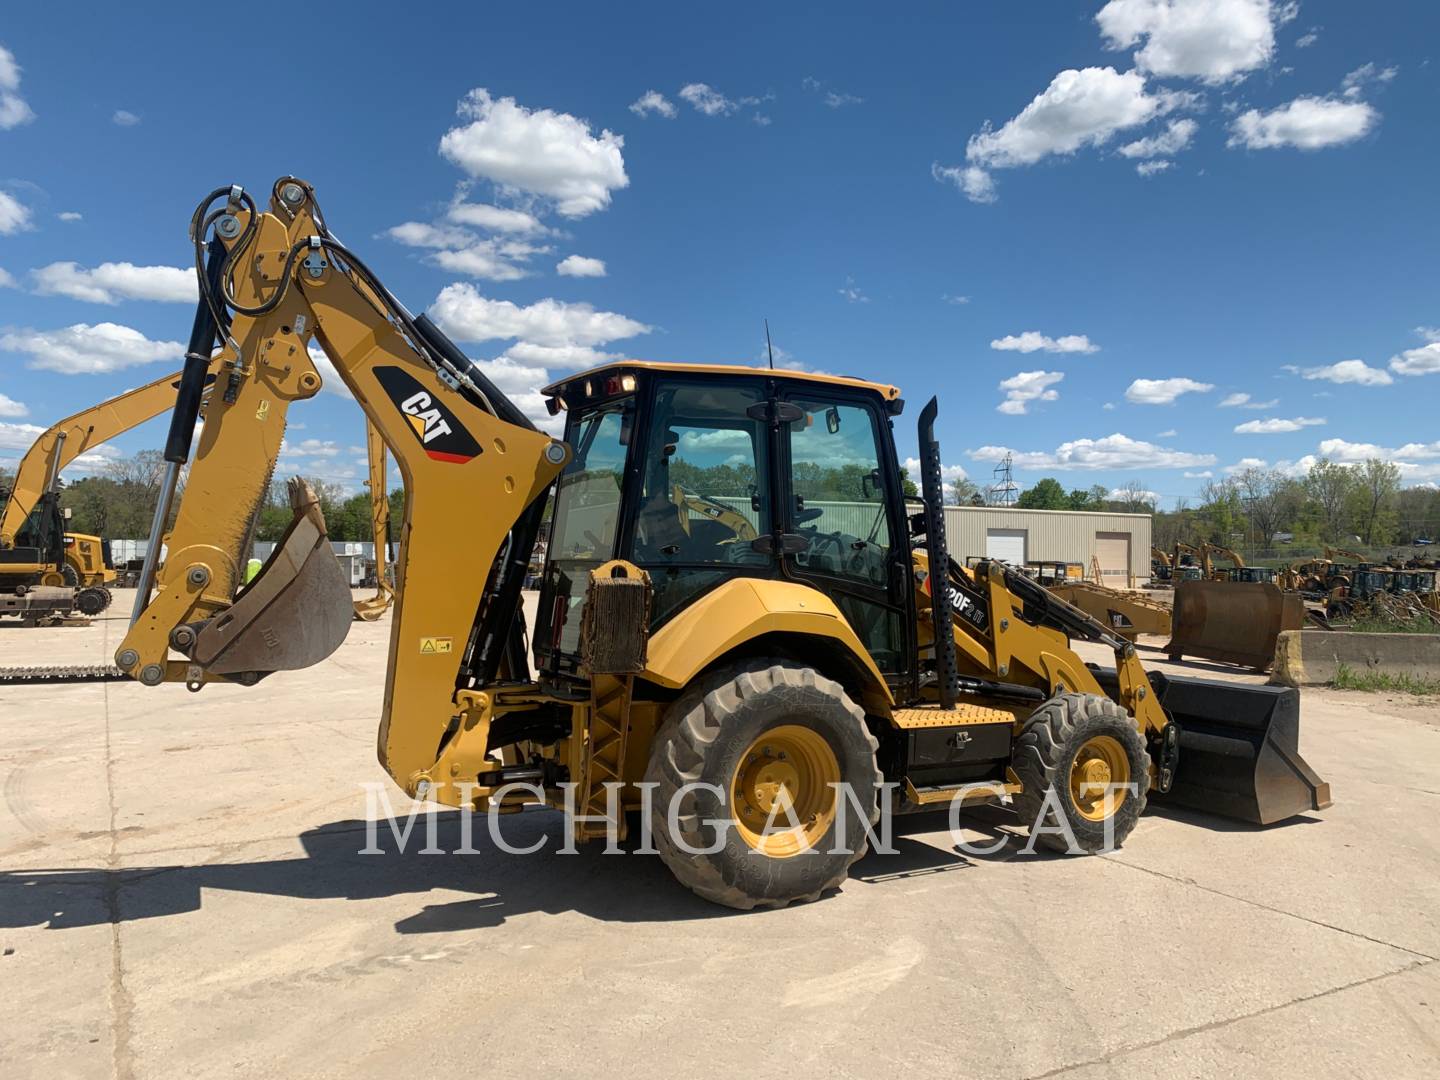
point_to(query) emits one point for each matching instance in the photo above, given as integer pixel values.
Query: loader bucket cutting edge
(1239, 750)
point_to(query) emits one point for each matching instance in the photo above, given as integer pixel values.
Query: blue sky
(1084, 202)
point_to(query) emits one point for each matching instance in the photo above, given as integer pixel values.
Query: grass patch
(1347, 678)
(1418, 625)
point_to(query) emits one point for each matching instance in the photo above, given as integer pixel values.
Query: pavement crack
(1214, 1025)
(1274, 910)
(121, 1003)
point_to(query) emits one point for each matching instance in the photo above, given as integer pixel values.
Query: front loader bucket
(1231, 621)
(1239, 750)
(294, 614)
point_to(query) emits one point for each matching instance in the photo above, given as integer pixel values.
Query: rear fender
(742, 610)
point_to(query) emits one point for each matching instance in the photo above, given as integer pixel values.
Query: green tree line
(1331, 503)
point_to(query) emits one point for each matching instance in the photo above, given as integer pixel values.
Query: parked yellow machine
(34, 543)
(834, 655)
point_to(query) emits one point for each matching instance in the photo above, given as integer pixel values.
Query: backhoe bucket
(1232, 622)
(372, 607)
(1239, 750)
(294, 614)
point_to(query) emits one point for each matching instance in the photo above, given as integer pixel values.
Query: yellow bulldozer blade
(1127, 614)
(295, 613)
(1232, 622)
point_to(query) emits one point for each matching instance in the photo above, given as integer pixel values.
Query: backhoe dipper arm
(63, 442)
(472, 466)
(375, 606)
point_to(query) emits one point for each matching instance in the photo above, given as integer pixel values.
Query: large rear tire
(1076, 744)
(751, 733)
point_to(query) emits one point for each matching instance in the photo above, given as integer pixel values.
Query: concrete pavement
(182, 894)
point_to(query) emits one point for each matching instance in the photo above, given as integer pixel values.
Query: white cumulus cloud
(1349, 371)
(494, 218)
(11, 408)
(1117, 451)
(1424, 360)
(1172, 140)
(1027, 386)
(652, 101)
(1307, 123)
(580, 266)
(1277, 426)
(977, 184)
(707, 99)
(13, 109)
(14, 215)
(1215, 41)
(83, 349)
(124, 118)
(1034, 341)
(7, 279)
(109, 283)
(1150, 168)
(546, 153)
(1163, 391)
(466, 315)
(1079, 108)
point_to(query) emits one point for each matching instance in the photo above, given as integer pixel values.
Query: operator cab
(704, 474)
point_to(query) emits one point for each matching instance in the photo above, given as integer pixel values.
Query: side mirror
(832, 419)
(872, 480)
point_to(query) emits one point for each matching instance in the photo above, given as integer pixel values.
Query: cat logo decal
(438, 429)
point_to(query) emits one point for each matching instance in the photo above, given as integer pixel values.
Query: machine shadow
(633, 888)
(499, 884)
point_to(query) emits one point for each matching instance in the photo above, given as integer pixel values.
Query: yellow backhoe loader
(35, 547)
(765, 697)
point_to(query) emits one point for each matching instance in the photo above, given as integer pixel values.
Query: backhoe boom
(467, 471)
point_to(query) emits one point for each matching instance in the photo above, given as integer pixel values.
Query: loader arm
(472, 466)
(63, 442)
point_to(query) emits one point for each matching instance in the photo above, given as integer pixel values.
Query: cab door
(840, 498)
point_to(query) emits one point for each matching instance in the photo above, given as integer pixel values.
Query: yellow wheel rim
(52, 579)
(1099, 763)
(782, 801)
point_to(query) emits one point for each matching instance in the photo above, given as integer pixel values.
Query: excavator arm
(63, 442)
(471, 462)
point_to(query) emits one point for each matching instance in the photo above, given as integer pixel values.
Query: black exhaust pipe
(932, 490)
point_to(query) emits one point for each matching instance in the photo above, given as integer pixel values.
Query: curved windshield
(585, 521)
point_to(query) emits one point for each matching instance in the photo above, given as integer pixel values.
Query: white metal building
(1120, 541)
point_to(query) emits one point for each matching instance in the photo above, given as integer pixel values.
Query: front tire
(1075, 744)
(770, 738)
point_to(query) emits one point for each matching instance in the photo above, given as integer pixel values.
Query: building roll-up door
(1113, 551)
(1007, 545)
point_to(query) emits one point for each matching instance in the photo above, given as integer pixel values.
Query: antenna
(769, 349)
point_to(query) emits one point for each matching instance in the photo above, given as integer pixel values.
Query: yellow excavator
(766, 699)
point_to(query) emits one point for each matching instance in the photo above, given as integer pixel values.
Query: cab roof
(621, 367)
